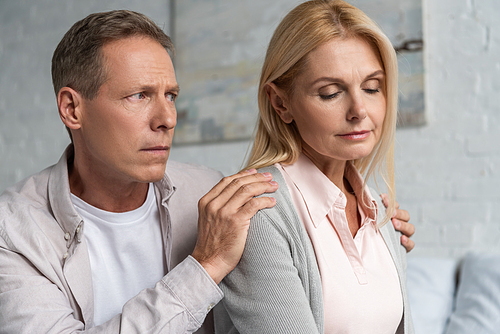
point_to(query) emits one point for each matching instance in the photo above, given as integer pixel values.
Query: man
(105, 240)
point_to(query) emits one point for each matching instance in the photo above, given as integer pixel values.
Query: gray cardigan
(276, 287)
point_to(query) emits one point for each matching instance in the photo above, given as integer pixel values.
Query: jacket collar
(165, 188)
(59, 195)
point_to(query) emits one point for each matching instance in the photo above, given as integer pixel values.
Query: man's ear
(69, 103)
(279, 102)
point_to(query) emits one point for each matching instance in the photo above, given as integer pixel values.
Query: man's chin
(156, 179)
(153, 174)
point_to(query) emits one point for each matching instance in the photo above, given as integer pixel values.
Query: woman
(323, 259)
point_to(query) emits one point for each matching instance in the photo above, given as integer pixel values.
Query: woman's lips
(358, 135)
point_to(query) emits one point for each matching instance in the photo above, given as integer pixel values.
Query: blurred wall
(448, 171)
(32, 136)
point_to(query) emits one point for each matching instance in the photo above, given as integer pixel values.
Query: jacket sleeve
(268, 291)
(179, 303)
(32, 302)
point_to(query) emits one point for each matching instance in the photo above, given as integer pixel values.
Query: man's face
(126, 130)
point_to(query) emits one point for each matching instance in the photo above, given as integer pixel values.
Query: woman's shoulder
(283, 217)
(282, 195)
(277, 177)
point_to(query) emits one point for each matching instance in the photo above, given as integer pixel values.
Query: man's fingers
(225, 203)
(249, 210)
(400, 219)
(229, 185)
(247, 192)
(385, 200)
(402, 215)
(404, 227)
(224, 182)
(241, 190)
(224, 218)
(407, 243)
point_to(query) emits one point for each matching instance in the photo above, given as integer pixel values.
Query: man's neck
(104, 192)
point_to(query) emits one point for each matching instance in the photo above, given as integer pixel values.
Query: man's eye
(171, 97)
(138, 96)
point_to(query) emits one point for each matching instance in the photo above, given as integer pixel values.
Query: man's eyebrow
(146, 88)
(175, 89)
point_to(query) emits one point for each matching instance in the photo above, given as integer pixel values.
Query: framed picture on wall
(220, 47)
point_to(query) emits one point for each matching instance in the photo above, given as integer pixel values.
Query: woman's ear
(69, 104)
(279, 102)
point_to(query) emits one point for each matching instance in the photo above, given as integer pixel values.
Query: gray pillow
(431, 286)
(477, 308)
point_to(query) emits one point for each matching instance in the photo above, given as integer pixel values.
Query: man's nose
(165, 114)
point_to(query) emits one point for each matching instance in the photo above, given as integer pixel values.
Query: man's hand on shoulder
(224, 218)
(400, 219)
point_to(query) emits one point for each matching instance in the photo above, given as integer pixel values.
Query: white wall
(448, 172)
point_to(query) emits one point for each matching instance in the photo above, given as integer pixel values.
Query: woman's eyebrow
(375, 74)
(339, 80)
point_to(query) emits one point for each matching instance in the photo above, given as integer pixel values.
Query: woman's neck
(333, 169)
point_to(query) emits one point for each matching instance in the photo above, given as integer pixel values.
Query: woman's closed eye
(329, 92)
(372, 86)
(372, 90)
(329, 96)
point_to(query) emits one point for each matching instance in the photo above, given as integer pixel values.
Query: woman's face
(339, 103)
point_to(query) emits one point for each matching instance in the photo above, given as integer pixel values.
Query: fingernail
(251, 170)
(274, 183)
(404, 239)
(396, 223)
(394, 213)
(266, 174)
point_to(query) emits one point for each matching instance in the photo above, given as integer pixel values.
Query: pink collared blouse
(361, 290)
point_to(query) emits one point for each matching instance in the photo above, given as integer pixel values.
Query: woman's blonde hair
(305, 28)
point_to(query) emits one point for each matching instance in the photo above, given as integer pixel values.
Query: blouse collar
(320, 194)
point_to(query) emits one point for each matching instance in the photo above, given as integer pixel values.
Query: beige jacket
(45, 278)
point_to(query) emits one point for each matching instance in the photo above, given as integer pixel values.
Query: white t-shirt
(126, 253)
